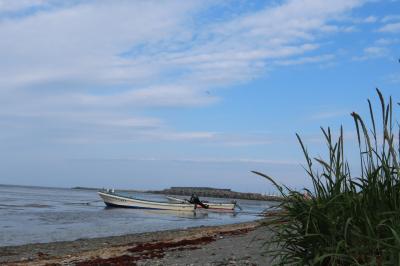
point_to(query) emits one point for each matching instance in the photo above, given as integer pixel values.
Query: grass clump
(345, 220)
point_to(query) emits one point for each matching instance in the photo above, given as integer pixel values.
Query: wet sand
(237, 244)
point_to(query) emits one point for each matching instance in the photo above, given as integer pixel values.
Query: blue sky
(152, 94)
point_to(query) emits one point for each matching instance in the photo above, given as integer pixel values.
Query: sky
(153, 94)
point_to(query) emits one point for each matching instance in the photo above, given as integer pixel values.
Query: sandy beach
(236, 244)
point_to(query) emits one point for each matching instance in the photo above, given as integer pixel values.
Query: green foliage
(345, 220)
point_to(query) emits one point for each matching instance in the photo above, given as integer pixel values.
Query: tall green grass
(345, 220)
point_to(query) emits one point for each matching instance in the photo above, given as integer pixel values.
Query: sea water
(38, 215)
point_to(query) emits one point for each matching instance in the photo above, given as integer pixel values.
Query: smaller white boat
(211, 205)
(112, 199)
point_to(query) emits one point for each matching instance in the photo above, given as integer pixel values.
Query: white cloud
(390, 28)
(370, 19)
(393, 78)
(349, 29)
(82, 42)
(375, 50)
(372, 52)
(179, 136)
(308, 59)
(378, 49)
(386, 41)
(18, 5)
(114, 58)
(329, 114)
(161, 96)
(390, 18)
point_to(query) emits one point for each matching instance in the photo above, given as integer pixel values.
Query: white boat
(211, 205)
(115, 200)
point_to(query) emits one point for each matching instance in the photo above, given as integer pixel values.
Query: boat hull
(211, 205)
(113, 200)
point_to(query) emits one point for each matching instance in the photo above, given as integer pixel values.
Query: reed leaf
(344, 219)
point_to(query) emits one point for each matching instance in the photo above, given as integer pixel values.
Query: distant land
(215, 192)
(202, 192)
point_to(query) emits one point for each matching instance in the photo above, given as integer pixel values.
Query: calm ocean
(35, 214)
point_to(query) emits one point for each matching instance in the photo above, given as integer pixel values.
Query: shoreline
(152, 248)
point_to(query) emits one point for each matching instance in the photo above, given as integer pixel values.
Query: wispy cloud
(389, 18)
(87, 51)
(370, 19)
(390, 28)
(380, 48)
(393, 78)
(329, 114)
(161, 96)
(307, 60)
(375, 51)
(386, 41)
(8, 6)
(109, 59)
